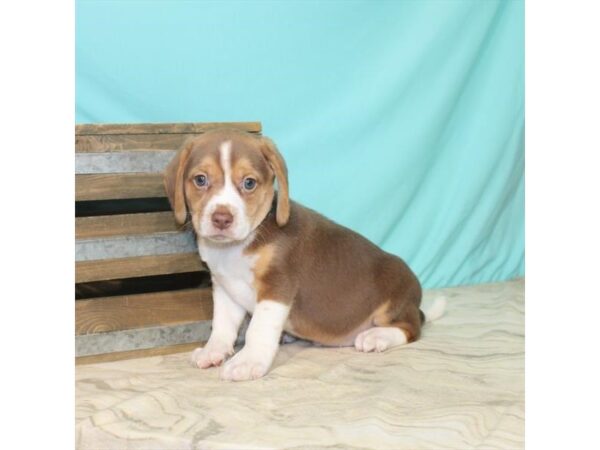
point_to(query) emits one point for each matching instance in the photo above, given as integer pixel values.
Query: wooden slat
(162, 128)
(108, 269)
(115, 247)
(125, 224)
(150, 161)
(130, 142)
(118, 186)
(140, 338)
(127, 312)
(133, 354)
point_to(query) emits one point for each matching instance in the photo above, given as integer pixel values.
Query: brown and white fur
(291, 268)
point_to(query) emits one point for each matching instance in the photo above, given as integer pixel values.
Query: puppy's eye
(201, 180)
(249, 183)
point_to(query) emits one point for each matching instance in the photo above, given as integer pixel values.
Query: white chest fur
(231, 269)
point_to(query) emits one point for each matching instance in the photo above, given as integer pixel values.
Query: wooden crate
(127, 239)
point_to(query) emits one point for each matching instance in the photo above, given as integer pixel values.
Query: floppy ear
(173, 181)
(275, 160)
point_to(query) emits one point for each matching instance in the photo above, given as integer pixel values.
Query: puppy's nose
(222, 219)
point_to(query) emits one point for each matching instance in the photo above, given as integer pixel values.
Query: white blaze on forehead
(225, 154)
(228, 197)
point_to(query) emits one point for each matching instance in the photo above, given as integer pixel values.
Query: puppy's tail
(435, 310)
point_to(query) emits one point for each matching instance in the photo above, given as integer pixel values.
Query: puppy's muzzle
(222, 219)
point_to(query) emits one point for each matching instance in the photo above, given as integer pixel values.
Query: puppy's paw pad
(379, 339)
(241, 368)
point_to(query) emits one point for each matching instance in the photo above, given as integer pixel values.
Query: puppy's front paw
(244, 366)
(210, 355)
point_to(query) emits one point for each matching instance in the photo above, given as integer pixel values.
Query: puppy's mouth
(215, 235)
(220, 238)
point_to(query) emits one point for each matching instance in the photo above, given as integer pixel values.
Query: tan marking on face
(196, 197)
(247, 163)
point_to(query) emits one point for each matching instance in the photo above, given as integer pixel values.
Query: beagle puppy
(291, 268)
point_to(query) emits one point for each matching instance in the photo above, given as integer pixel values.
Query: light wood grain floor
(460, 387)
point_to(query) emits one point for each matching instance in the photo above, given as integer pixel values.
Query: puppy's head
(224, 180)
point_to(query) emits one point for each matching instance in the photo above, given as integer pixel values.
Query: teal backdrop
(403, 120)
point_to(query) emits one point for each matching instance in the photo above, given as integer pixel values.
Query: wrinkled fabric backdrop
(403, 120)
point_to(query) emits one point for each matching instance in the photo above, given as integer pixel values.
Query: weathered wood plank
(162, 128)
(151, 161)
(130, 142)
(118, 186)
(141, 338)
(126, 224)
(129, 246)
(142, 310)
(108, 269)
(133, 354)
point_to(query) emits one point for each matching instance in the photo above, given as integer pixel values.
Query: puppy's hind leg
(390, 333)
(398, 332)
